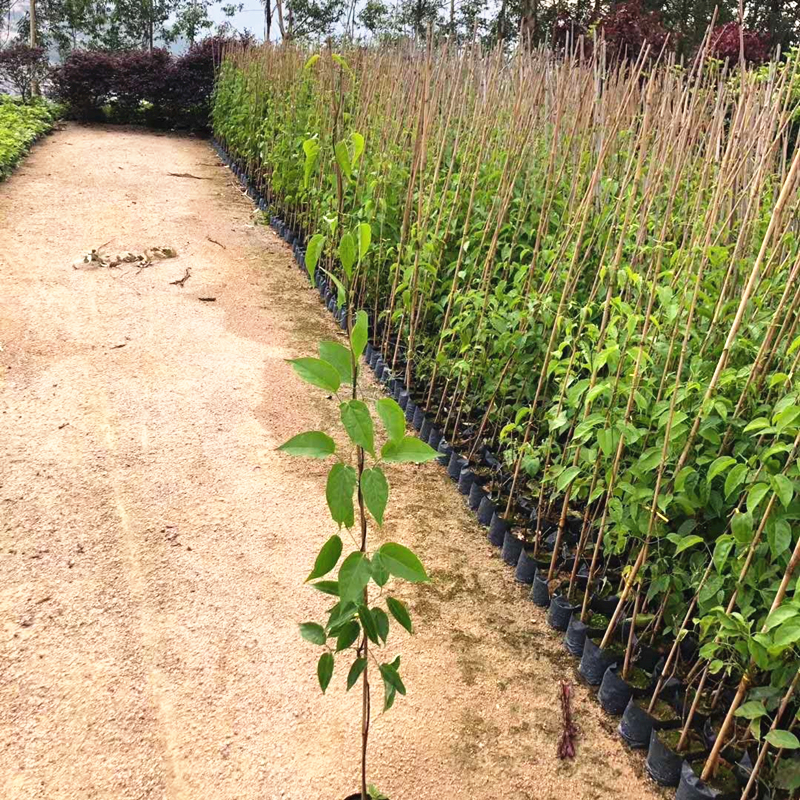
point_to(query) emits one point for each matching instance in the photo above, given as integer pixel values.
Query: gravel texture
(153, 543)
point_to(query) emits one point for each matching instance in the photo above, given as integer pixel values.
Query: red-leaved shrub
(23, 66)
(627, 28)
(726, 43)
(140, 85)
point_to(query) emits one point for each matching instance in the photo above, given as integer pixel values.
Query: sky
(251, 17)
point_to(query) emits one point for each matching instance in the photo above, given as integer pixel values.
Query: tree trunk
(34, 83)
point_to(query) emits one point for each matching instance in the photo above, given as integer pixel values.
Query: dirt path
(153, 544)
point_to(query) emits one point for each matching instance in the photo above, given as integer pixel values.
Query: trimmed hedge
(140, 86)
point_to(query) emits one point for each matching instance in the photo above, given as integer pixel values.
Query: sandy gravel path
(153, 543)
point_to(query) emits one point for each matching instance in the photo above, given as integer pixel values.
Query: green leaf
(399, 611)
(751, 710)
(325, 670)
(680, 478)
(780, 615)
(787, 774)
(327, 587)
(313, 252)
(348, 634)
(311, 61)
(379, 573)
(735, 478)
(787, 634)
(719, 466)
(312, 444)
(341, 62)
(779, 536)
(783, 739)
(359, 665)
(407, 450)
(339, 494)
(339, 357)
(358, 339)
(312, 632)
(389, 694)
(686, 542)
(742, 526)
(311, 150)
(392, 417)
(392, 677)
(354, 575)
(347, 253)
(317, 372)
(566, 477)
(784, 488)
(722, 550)
(368, 621)
(327, 558)
(756, 495)
(381, 623)
(343, 159)
(340, 615)
(756, 425)
(358, 146)
(357, 422)
(341, 291)
(375, 489)
(402, 563)
(364, 238)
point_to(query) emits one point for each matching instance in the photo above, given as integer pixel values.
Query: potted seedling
(357, 626)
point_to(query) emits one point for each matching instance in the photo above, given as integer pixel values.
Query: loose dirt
(153, 543)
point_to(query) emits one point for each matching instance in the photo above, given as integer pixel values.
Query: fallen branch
(187, 175)
(216, 242)
(566, 744)
(181, 281)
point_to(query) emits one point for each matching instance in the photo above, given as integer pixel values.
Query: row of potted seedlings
(641, 676)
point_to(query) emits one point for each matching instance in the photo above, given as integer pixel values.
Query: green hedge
(20, 126)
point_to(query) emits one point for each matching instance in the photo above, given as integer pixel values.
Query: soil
(670, 738)
(153, 543)
(662, 711)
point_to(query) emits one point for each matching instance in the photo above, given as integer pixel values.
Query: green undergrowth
(21, 125)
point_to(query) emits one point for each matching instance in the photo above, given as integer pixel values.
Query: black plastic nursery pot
(445, 450)
(637, 723)
(595, 661)
(615, 691)
(540, 594)
(604, 605)
(465, 480)
(526, 565)
(497, 529)
(723, 787)
(486, 511)
(664, 763)
(419, 418)
(512, 548)
(404, 400)
(435, 437)
(425, 430)
(575, 636)
(560, 612)
(456, 464)
(476, 494)
(411, 409)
